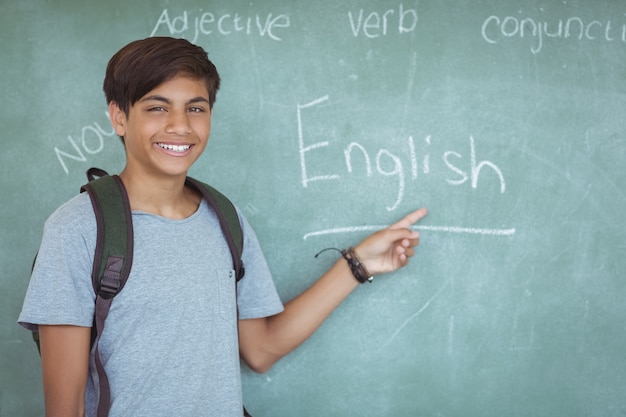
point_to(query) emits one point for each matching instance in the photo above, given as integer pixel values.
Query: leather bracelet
(356, 266)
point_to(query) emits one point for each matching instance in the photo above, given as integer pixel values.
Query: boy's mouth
(174, 148)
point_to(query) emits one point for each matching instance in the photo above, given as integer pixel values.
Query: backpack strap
(229, 221)
(112, 260)
(114, 242)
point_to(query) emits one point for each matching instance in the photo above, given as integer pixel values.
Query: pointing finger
(410, 219)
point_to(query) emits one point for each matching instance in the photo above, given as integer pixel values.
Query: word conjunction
(496, 29)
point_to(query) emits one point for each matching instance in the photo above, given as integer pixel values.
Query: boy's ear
(118, 119)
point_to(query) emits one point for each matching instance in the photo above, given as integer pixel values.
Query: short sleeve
(256, 293)
(60, 290)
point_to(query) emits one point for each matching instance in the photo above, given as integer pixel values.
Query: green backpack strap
(114, 244)
(113, 258)
(229, 221)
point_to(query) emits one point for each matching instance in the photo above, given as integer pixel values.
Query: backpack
(114, 250)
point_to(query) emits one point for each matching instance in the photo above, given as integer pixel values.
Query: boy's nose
(178, 123)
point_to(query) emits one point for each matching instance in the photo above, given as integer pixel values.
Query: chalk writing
(304, 149)
(207, 23)
(91, 141)
(389, 164)
(443, 229)
(374, 24)
(475, 168)
(496, 29)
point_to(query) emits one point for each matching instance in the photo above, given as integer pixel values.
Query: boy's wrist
(357, 267)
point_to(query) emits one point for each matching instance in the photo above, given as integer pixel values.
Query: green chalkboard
(505, 118)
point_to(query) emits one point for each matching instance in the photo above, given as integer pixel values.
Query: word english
(225, 24)
(389, 164)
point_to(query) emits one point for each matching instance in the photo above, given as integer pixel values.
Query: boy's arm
(263, 341)
(65, 365)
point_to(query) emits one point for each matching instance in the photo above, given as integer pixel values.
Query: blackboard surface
(504, 118)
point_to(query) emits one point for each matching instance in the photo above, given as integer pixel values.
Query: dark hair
(142, 65)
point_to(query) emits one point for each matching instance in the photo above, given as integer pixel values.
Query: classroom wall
(504, 118)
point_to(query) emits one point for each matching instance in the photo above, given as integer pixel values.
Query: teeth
(174, 148)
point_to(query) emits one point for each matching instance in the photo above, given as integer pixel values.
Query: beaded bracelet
(356, 266)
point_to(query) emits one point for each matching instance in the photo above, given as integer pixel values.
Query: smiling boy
(173, 339)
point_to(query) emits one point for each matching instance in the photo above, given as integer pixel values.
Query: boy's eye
(196, 110)
(156, 108)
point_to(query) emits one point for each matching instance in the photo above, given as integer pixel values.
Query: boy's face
(166, 131)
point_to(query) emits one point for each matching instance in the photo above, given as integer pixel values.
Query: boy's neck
(164, 196)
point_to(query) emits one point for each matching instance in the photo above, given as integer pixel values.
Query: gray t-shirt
(170, 344)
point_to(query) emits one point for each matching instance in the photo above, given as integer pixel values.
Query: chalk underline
(444, 229)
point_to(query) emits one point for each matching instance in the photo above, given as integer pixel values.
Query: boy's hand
(390, 248)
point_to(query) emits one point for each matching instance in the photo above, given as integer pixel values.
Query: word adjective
(224, 24)
(495, 29)
(385, 158)
(377, 24)
(91, 141)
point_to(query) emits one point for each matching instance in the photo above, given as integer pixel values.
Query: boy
(173, 339)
